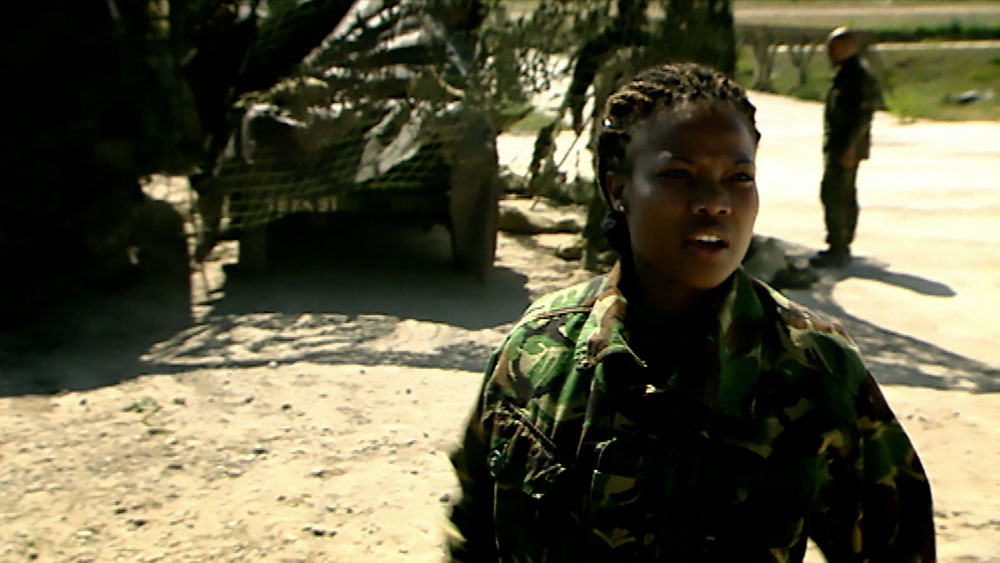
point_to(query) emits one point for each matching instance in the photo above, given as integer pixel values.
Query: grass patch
(916, 83)
(950, 32)
(928, 83)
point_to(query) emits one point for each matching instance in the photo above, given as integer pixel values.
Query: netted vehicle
(386, 117)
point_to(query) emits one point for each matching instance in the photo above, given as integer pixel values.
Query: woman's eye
(742, 177)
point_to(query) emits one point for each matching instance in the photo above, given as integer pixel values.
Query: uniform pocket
(613, 514)
(532, 514)
(521, 457)
(761, 498)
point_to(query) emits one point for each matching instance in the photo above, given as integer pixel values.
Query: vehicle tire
(473, 199)
(474, 231)
(253, 250)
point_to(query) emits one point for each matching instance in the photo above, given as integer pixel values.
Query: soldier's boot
(833, 257)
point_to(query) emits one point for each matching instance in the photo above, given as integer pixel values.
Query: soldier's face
(690, 200)
(839, 49)
(832, 52)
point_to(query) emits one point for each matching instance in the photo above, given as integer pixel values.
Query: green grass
(920, 83)
(917, 83)
(925, 83)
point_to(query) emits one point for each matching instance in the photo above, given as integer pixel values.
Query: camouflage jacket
(850, 103)
(769, 432)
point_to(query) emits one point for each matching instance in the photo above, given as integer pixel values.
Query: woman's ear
(616, 190)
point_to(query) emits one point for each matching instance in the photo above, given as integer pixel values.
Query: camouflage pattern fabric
(769, 432)
(850, 103)
(839, 194)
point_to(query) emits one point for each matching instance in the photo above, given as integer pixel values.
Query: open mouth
(707, 243)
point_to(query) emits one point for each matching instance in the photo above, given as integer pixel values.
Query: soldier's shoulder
(576, 299)
(539, 352)
(798, 316)
(550, 328)
(813, 339)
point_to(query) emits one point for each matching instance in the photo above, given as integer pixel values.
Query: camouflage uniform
(850, 103)
(766, 430)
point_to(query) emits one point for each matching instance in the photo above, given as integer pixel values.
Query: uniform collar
(604, 330)
(851, 62)
(735, 338)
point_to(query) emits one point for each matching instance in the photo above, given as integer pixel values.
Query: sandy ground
(306, 415)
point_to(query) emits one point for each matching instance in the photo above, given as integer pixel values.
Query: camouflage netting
(268, 105)
(351, 123)
(380, 112)
(375, 119)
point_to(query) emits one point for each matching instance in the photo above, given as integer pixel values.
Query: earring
(620, 207)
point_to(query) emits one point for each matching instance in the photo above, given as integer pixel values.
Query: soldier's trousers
(840, 203)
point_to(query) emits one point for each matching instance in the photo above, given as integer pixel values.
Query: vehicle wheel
(474, 230)
(473, 199)
(253, 250)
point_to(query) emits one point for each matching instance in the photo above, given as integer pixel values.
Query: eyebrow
(689, 161)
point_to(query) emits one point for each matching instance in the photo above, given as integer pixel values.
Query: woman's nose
(710, 198)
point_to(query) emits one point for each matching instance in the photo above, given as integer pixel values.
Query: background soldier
(852, 99)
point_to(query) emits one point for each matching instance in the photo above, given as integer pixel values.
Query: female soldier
(676, 409)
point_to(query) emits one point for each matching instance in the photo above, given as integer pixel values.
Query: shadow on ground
(92, 338)
(349, 293)
(361, 294)
(84, 323)
(373, 294)
(893, 358)
(870, 270)
(445, 321)
(358, 266)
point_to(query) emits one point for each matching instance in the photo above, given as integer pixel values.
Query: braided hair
(649, 92)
